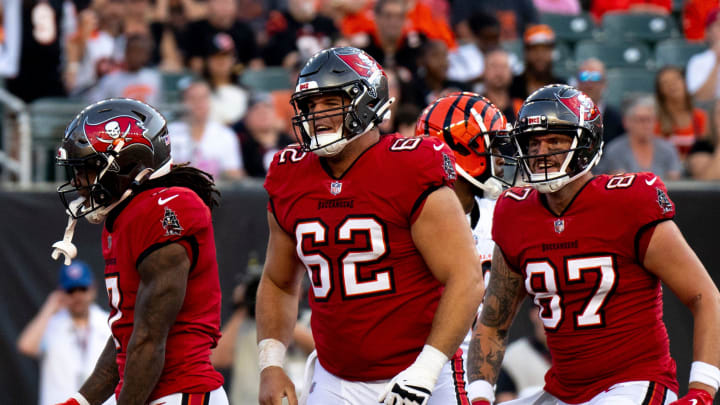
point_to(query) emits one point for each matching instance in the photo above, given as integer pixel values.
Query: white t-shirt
(228, 104)
(698, 71)
(68, 355)
(144, 85)
(217, 151)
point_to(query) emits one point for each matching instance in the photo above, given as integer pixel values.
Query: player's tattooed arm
(101, 384)
(502, 300)
(163, 280)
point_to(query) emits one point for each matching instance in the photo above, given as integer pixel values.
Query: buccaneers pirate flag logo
(102, 135)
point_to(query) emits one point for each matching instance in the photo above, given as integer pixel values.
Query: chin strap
(65, 246)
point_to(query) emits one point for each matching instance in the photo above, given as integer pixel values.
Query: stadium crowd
(223, 72)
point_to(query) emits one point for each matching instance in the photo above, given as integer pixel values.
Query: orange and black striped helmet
(477, 132)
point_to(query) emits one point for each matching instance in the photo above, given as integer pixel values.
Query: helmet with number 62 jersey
(363, 85)
(477, 132)
(559, 109)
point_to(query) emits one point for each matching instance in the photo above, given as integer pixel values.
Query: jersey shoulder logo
(170, 223)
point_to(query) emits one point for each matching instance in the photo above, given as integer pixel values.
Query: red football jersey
(601, 308)
(152, 219)
(373, 297)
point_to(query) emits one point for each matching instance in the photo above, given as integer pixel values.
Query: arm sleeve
(698, 71)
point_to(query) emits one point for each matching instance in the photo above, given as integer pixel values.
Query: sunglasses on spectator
(74, 289)
(590, 76)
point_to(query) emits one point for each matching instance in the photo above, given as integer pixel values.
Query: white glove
(414, 385)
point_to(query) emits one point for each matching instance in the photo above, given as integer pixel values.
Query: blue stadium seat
(563, 61)
(267, 79)
(570, 28)
(615, 54)
(639, 27)
(172, 83)
(676, 52)
(623, 83)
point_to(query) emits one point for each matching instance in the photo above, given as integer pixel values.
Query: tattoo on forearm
(502, 299)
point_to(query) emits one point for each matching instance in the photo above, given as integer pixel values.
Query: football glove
(695, 397)
(481, 402)
(414, 385)
(75, 399)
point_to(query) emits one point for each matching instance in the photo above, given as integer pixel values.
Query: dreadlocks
(183, 175)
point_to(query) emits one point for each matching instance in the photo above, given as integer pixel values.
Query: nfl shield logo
(559, 225)
(335, 187)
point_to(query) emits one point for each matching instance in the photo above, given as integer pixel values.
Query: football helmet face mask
(558, 109)
(477, 132)
(108, 149)
(359, 82)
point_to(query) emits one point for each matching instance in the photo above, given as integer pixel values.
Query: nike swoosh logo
(162, 202)
(694, 401)
(438, 147)
(651, 182)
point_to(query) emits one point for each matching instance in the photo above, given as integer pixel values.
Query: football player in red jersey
(591, 251)
(478, 134)
(374, 222)
(160, 266)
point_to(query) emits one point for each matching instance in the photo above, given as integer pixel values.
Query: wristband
(271, 352)
(80, 398)
(705, 373)
(481, 389)
(431, 359)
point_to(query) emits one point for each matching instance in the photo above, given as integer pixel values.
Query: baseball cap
(540, 34)
(222, 43)
(77, 274)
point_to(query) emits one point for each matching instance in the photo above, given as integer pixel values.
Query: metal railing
(16, 157)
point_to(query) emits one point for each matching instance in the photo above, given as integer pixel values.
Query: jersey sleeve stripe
(421, 199)
(641, 232)
(190, 241)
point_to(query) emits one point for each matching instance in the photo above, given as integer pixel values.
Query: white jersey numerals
(542, 282)
(113, 291)
(319, 266)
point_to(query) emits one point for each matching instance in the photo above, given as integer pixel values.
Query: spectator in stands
(405, 119)
(389, 45)
(238, 345)
(591, 81)
(297, 33)
(134, 79)
(679, 121)
(261, 135)
(88, 47)
(221, 17)
(600, 7)
(567, 7)
(467, 61)
(639, 150)
(67, 335)
(695, 15)
(703, 69)
(228, 101)
(539, 41)
(395, 90)
(703, 160)
(515, 16)
(206, 144)
(496, 83)
(525, 363)
(169, 24)
(431, 80)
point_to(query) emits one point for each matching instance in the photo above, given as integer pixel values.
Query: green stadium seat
(639, 27)
(172, 84)
(570, 28)
(563, 61)
(615, 54)
(623, 83)
(266, 80)
(676, 52)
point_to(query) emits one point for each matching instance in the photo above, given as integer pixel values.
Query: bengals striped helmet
(477, 132)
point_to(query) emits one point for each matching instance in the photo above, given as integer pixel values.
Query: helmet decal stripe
(468, 109)
(427, 118)
(447, 136)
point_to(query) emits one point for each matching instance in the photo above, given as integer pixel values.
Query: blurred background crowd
(223, 70)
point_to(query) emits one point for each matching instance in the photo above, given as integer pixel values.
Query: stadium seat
(266, 80)
(172, 83)
(570, 28)
(640, 27)
(563, 61)
(676, 52)
(623, 83)
(615, 54)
